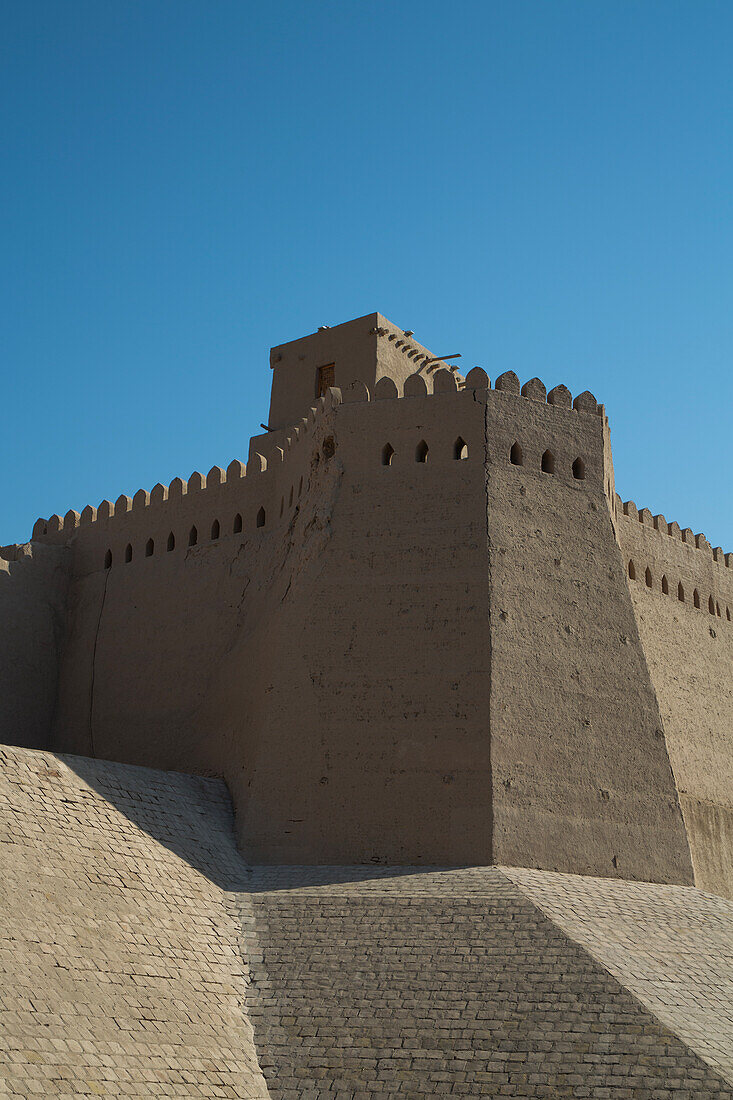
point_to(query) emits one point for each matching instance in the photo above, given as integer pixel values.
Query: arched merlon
(279, 446)
(657, 523)
(688, 564)
(59, 529)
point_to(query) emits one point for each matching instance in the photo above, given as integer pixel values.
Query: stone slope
(120, 973)
(139, 952)
(671, 946)
(420, 984)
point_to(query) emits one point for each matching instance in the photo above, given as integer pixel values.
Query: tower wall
(581, 774)
(690, 655)
(34, 581)
(332, 664)
(365, 349)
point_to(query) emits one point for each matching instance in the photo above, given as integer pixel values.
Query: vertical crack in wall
(94, 660)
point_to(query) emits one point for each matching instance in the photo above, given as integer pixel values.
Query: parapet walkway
(141, 957)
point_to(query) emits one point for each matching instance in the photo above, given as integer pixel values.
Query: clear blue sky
(545, 187)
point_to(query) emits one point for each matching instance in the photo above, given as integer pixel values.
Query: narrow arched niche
(128, 553)
(237, 525)
(727, 614)
(579, 469)
(261, 518)
(648, 577)
(711, 605)
(548, 463)
(696, 598)
(171, 542)
(665, 586)
(149, 548)
(387, 454)
(282, 506)
(300, 487)
(681, 592)
(290, 502)
(516, 455)
(193, 537)
(215, 530)
(631, 571)
(421, 451)
(460, 449)
(108, 559)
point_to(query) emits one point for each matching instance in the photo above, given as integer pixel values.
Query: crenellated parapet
(278, 448)
(61, 529)
(672, 529)
(444, 380)
(203, 508)
(273, 455)
(674, 561)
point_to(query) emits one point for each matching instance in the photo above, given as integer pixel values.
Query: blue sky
(545, 187)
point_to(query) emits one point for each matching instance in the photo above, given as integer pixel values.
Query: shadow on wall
(192, 817)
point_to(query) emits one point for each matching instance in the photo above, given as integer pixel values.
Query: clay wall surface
(581, 774)
(295, 365)
(690, 654)
(363, 658)
(120, 965)
(332, 664)
(33, 586)
(456, 982)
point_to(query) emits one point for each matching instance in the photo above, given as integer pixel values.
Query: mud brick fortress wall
(414, 627)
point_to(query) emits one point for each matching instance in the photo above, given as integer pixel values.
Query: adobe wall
(383, 651)
(581, 775)
(690, 654)
(332, 664)
(365, 349)
(34, 581)
(120, 964)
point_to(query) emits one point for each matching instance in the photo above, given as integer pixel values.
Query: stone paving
(120, 973)
(141, 957)
(410, 982)
(671, 946)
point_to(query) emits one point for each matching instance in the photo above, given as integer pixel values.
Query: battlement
(275, 448)
(673, 529)
(673, 562)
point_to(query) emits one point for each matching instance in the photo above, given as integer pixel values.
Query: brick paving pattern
(120, 973)
(442, 983)
(671, 946)
(138, 953)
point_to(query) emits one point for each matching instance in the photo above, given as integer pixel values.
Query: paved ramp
(141, 957)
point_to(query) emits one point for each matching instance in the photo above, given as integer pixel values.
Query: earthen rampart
(682, 590)
(410, 613)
